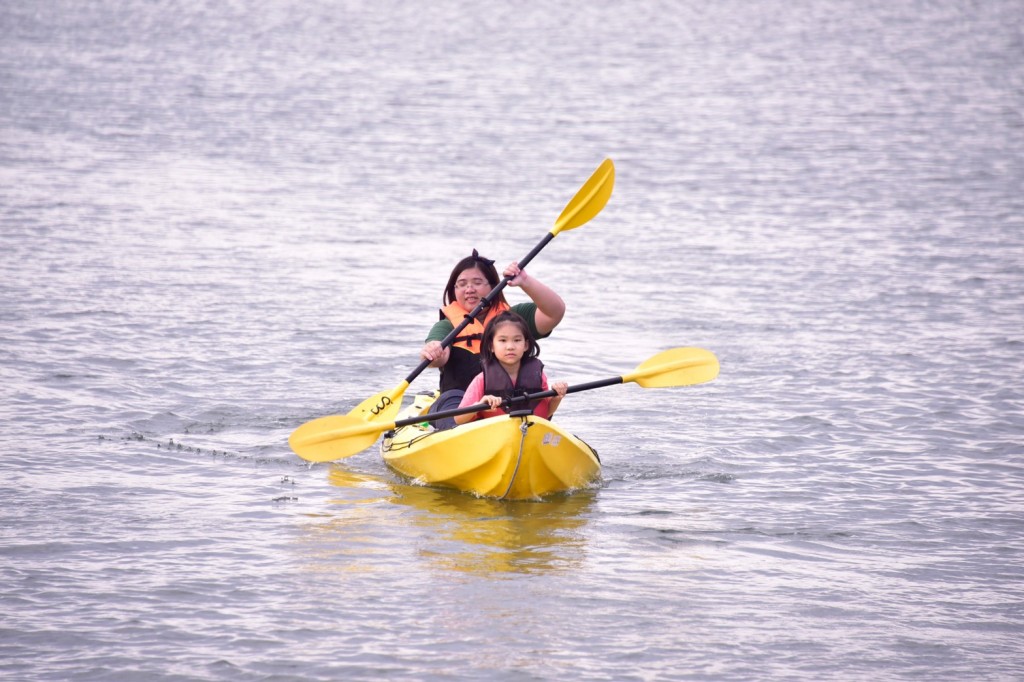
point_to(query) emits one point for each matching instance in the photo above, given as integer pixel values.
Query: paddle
(339, 436)
(586, 204)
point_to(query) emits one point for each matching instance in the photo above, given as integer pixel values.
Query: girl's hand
(518, 276)
(492, 400)
(561, 388)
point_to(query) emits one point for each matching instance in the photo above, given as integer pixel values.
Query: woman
(471, 280)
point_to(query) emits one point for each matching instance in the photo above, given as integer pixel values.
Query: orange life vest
(469, 338)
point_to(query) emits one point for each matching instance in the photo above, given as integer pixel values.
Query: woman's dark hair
(485, 266)
(506, 317)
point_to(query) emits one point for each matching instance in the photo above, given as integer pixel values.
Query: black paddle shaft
(516, 400)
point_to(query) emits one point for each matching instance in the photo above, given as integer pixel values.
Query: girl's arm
(473, 395)
(550, 306)
(560, 387)
(492, 400)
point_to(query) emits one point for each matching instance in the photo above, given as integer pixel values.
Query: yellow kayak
(506, 457)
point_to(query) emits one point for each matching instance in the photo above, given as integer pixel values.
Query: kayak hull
(505, 457)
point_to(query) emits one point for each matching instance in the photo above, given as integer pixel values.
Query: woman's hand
(550, 306)
(561, 388)
(518, 276)
(434, 353)
(493, 401)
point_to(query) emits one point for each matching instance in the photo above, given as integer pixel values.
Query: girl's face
(470, 287)
(509, 344)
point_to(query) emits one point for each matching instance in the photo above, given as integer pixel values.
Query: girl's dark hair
(506, 317)
(485, 266)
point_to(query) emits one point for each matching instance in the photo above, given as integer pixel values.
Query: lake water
(221, 220)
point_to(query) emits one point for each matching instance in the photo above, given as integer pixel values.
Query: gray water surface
(221, 220)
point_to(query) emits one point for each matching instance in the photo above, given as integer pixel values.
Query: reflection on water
(460, 532)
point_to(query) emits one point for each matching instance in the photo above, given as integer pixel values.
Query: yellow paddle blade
(335, 437)
(381, 407)
(589, 201)
(675, 367)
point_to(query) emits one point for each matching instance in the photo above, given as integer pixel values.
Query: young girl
(508, 355)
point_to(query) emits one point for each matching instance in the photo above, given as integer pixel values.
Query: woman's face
(470, 287)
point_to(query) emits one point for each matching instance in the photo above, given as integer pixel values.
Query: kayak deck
(505, 457)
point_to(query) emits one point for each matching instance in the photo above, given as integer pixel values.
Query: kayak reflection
(472, 534)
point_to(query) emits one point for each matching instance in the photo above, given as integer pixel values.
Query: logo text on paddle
(384, 402)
